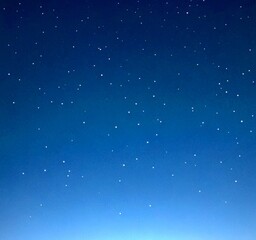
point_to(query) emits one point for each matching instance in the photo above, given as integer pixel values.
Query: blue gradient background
(180, 165)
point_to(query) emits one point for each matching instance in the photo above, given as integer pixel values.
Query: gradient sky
(127, 120)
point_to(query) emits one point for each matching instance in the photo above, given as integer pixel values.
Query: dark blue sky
(127, 120)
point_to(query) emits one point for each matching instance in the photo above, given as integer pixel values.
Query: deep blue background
(127, 120)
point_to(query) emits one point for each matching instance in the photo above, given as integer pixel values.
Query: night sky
(128, 120)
